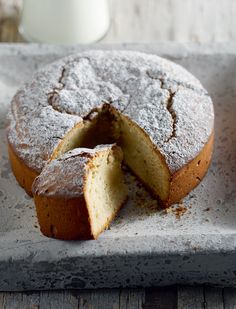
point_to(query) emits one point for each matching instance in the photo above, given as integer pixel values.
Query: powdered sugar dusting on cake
(161, 97)
(58, 176)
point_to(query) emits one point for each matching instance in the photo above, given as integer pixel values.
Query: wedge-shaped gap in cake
(106, 125)
(95, 129)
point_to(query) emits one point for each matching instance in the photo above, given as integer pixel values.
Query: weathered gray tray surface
(143, 247)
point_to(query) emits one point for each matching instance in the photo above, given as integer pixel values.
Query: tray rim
(167, 48)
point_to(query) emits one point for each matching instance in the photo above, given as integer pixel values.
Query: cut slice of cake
(78, 194)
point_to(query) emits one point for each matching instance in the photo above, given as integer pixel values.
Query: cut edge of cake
(107, 125)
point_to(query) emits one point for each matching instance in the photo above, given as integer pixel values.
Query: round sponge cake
(156, 111)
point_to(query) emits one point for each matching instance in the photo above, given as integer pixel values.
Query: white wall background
(174, 20)
(163, 20)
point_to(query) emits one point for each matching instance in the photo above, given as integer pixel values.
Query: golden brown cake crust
(69, 215)
(191, 174)
(24, 174)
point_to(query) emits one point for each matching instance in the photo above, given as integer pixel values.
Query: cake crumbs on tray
(178, 210)
(145, 203)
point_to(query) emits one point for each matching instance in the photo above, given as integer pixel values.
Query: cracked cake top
(165, 100)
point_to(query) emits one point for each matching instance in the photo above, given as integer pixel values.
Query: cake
(78, 194)
(156, 111)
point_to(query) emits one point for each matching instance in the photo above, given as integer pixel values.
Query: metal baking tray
(194, 242)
